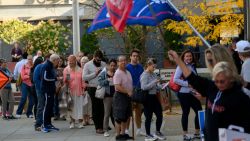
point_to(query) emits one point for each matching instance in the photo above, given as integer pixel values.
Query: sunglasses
(219, 81)
(210, 61)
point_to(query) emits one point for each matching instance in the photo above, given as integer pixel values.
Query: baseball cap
(242, 46)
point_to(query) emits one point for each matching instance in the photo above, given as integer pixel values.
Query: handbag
(173, 86)
(100, 92)
(139, 95)
(19, 80)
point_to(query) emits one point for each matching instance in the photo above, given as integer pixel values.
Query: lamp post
(246, 20)
(76, 26)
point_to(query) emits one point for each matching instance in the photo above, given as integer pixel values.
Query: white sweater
(89, 73)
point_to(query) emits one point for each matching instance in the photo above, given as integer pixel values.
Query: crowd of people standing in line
(64, 91)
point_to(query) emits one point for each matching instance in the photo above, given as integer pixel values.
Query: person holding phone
(91, 71)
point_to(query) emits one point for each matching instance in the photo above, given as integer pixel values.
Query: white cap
(243, 46)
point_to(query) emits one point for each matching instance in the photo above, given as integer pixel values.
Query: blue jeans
(26, 92)
(40, 108)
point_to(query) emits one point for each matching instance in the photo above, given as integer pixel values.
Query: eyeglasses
(219, 81)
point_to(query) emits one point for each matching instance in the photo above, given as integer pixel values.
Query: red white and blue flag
(116, 13)
(119, 11)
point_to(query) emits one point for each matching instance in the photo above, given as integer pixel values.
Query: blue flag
(141, 14)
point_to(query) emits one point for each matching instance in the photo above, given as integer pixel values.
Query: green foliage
(89, 41)
(173, 40)
(13, 30)
(45, 36)
(48, 36)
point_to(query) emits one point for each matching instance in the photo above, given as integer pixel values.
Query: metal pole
(76, 27)
(246, 20)
(192, 27)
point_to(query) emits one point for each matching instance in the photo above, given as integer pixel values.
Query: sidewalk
(22, 130)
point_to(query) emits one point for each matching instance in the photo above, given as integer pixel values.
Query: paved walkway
(22, 130)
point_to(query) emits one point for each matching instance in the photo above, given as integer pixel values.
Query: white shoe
(72, 125)
(126, 131)
(139, 132)
(150, 138)
(80, 126)
(18, 116)
(106, 134)
(30, 116)
(160, 136)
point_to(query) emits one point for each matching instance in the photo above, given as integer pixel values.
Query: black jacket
(232, 108)
(48, 78)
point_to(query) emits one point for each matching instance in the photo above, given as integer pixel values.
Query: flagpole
(191, 26)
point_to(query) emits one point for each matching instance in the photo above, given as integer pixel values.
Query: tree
(208, 24)
(13, 30)
(48, 36)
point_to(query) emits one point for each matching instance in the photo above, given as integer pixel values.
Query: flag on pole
(3, 79)
(119, 11)
(140, 14)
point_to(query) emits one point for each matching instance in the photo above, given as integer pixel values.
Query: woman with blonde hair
(218, 53)
(227, 104)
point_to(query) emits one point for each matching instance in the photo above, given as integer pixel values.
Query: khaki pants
(7, 98)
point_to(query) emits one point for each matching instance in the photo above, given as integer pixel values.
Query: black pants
(35, 99)
(48, 108)
(97, 109)
(152, 105)
(188, 101)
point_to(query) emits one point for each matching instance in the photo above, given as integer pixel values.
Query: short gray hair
(54, 57)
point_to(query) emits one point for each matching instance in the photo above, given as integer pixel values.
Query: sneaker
(126, 131)
(30, 116)
(38, 128)
(150, 138)
(80, 126)
(12, 117)
(52, 127)
(72, 125)
(159, 135)
(119, 137)
(18, 116)
(5, 118)
(106, 134)
(197, 136)
(127, 137)
(45, 130)
(139, 132)
(187, 138)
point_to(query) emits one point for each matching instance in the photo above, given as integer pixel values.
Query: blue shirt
(37, 76)
(135, 71)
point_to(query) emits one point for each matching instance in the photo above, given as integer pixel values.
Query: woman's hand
(173, 55)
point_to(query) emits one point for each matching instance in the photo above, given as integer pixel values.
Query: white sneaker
(126, 131)
(106, 134)
(160, 136)
(139, 132)
(30, 116)
(80, 126)
(18, 116)
(150, 138)
(72, 125)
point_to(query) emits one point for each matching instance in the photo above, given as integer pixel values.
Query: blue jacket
(48, 78)
(37, 76)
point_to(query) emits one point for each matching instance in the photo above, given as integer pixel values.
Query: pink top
(25, 74)
(124, 79)
(76, 83)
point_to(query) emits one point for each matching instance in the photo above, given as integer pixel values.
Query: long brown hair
(188, 51)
